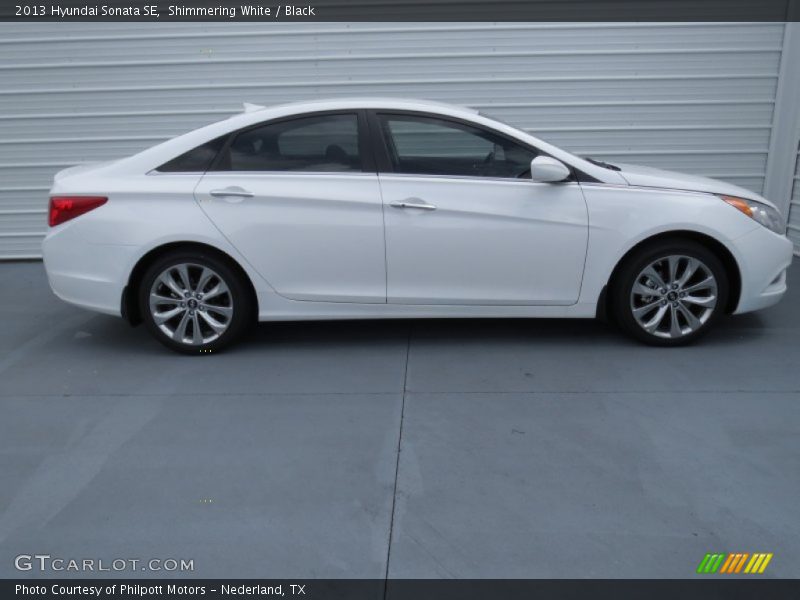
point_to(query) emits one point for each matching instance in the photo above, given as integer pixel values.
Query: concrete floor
(527, 448)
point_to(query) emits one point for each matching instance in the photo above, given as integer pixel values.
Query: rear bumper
(763, 258)
(91, 276)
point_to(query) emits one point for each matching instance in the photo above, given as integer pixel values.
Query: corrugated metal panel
(697, 97)
(793, 228)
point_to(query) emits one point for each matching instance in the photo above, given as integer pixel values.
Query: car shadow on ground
(115, 335)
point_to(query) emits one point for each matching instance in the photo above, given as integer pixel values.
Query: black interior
(327, 143)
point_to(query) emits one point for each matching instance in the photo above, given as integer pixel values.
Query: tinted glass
(323, 143)
(431, 146)
(195, 160)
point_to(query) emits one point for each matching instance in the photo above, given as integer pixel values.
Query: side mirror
(545, 169)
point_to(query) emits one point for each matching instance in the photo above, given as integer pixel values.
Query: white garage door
(793, 229)
(693, 97)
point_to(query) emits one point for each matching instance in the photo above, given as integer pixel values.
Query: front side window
(431, 146)
(317, 143)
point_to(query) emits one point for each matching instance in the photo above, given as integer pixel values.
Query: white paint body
(331, 246)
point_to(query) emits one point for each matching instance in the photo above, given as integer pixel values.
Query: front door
(466, 225)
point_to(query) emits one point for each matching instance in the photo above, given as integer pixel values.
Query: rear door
(299, 198)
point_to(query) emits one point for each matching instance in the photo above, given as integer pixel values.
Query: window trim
(365, 149)
(384, 162)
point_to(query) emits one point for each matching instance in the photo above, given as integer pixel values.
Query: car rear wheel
(671, 293)
(194, 302)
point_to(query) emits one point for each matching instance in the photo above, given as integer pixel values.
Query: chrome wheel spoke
(688, 271)
(163, 317)
(643, 310)
(217, 326)
(708, 301)
(205, 276)
(183, 273)
(217, 290)
(226, 311)
(642, 290)
(160, 299)
(197, 336)
(180, 331)
(692, 321)
(674, 326)
(653, 323)
(167, 280)
(180, 310)
(673, 262)
(709, 283)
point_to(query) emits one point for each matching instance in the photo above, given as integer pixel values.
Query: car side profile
(381, 208)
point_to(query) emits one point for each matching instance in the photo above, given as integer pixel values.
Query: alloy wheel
(191, 304)
(673, 296)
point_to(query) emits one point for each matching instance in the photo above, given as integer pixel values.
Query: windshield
(594, 161)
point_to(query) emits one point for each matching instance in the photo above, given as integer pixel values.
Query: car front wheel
(193, 302)
(670, 293)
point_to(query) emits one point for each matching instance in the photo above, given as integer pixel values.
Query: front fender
(621, 218)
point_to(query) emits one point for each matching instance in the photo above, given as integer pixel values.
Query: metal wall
(693, 97)
(793, 228)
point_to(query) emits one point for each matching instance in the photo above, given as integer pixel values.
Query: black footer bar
(710, 588)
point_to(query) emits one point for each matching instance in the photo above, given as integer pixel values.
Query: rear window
(315, 143)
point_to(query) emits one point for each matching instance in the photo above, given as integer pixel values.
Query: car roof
(361, 102)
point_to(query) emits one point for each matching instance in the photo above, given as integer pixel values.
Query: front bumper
(763, 258)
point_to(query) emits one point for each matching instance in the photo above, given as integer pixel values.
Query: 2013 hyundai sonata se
(379, 208)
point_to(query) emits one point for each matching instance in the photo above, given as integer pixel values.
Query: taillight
(64, 208)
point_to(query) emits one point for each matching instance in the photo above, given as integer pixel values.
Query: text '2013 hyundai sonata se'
(379, 208)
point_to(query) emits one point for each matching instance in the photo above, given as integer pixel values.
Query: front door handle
(413, 203)
(236, 192)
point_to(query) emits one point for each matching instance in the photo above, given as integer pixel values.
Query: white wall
(693, 97)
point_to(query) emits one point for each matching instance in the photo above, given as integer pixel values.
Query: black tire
(622, 301)
(237, 301)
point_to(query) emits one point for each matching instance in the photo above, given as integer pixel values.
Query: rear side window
(195, 160)
(318, 143)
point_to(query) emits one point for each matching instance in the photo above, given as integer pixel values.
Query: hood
(657, 178)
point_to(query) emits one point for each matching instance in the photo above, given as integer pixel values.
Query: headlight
(766, 215)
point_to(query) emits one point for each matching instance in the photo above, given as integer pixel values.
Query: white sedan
(379, 208)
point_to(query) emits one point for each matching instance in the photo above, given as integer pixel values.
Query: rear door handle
(236, 192)
(413, 203)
